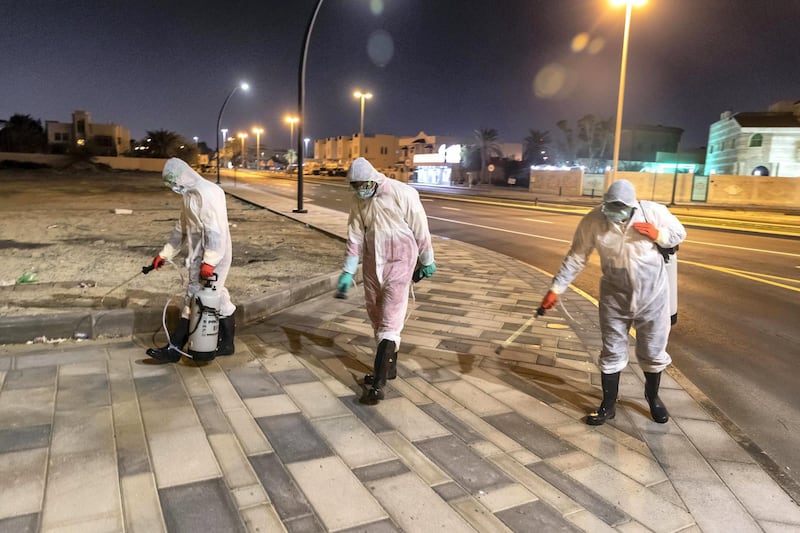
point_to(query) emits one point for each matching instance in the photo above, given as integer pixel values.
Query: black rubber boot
(652, 380)
(385, 352)
(391, 372)
(608, 407)
(178, 338)
(227, 328)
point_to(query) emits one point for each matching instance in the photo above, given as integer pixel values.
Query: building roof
(767, 120)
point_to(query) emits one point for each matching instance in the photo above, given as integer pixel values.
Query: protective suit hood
(362, 170)
(621, 191)
(178, 173)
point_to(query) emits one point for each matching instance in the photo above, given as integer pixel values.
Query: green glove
(424, 271)
(344, 283)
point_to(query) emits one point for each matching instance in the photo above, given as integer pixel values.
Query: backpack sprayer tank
(204, 322)
(671, 264)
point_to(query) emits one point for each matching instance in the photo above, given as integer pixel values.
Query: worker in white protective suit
(388, 229)
(633, 289)
(203, 229)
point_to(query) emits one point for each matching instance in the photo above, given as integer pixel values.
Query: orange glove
(158, 262)
(646, 229)
(549, 300)
(206, 271)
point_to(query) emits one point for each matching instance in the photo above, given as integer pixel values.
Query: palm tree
(535, 145)
(487, 144)
(163, 143)
(23, 134)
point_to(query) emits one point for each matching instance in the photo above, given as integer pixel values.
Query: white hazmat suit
(203, 229)
(389, 231)
(634, 288)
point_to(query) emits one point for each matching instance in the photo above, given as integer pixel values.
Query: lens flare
(550, 81)
(376, 6)
(579, 42)
(597, 44)
(380, 48)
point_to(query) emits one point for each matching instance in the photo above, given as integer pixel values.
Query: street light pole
(363, 97)
(243, 136)
(301, 98)
(258, 132)
(305, 147)
(244, 87)
(621, 96)
(291, 121)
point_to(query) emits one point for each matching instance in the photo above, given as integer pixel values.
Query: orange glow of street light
(291, 120)
(242, 135)
(258, 132)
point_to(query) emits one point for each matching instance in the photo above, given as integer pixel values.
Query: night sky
(447, 67)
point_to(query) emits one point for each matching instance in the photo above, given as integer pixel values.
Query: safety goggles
(362, 185)
(616, 206)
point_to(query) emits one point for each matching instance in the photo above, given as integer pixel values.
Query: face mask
(366, 193)
(617, 214)
(365, 189)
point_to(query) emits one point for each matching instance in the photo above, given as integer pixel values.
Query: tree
(164, 144)
(595, 134)
(535, 147)
(567, 146)
(23, 134)
(487, 144)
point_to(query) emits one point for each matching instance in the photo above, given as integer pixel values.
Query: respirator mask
(364, 189)
(171, 181)
(617, 211)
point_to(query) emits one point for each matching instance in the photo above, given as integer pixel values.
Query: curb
(127, 322)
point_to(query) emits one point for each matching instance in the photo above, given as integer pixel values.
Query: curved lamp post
(621, 97)
(244, 87)
(363, 96)
(301, 97)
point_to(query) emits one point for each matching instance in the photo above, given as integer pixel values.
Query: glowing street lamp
(258, 132)
(305, 146)
(291, 120)
(242, 135)
(244, 87)
(620, 99)
(363, 97)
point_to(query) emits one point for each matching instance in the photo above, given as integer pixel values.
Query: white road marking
(539, 220)
(500, 229)
(743, 248)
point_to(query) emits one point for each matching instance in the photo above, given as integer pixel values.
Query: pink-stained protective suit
(203, 228)
(389, 232)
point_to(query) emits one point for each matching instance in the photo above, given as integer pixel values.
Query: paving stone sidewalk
(93, 437)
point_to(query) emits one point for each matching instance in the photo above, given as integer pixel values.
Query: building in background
(104, 139)
(643, 142)
(756, 143)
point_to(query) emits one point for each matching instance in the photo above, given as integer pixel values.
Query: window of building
(756, 140)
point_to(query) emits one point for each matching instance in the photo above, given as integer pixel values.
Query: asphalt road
(738, 331)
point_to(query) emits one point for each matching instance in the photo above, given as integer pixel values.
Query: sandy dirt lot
(69, 230)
